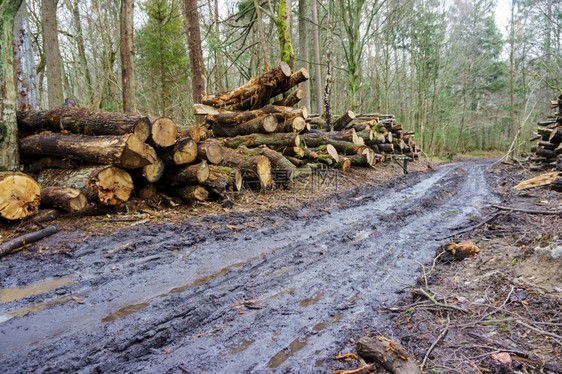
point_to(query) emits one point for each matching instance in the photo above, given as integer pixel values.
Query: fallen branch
(470, 228)
(530, 211)
(20, 242)
(441, 336)
(437, 303)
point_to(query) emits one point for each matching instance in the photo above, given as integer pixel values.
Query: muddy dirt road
(277, 291)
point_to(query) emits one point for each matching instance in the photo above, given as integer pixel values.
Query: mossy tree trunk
(9, 153)
(284, 33)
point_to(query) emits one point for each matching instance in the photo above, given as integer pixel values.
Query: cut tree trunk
(341, 146)
(341, 122)
(84, 121)
(107, 185)
(224, 178)
(164, 132)
(387, 353)
(19, 196)
(283, 168)
(266, 124)
(297, 77)
(291, 151)
(234, 118)
(256, 140)
(153, 172)
(256, 170)
(188, 175)
(295, 124)
(191, 193)
(63, 198)
(252, 88)
(548, 153)
(126, 151)
(292, 99)
(344, 164)
(211, 151)
(344, 135)
(182, 153)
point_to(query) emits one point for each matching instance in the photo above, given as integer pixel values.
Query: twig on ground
(556, 337)
(437, 303)
(441, 336)
(470, 228)
(530, 211)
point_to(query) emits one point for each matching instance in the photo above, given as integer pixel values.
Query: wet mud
(277, 291)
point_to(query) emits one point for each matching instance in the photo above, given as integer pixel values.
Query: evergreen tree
(162, 61)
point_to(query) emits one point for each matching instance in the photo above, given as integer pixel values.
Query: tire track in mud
(317, 279)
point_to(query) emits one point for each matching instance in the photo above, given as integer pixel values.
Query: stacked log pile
(258, 126)
(77, 159)
(381, 132)
(548, 150)
(255, 135)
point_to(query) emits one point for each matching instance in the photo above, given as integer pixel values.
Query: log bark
(188, 175)
(292, 99)
(234, 118)
(256, 170)
(548, 153)
(344, 135)
(295, 124)
(256, 140)
(63, 198)
(250, 89)
(211, 151)
(19, 196)
(387, 353)
(341, 146)
(284, 169)
(107, 185)
(341, 122)
(266, 124)
(84, 121)
(49, 163)
(224, 178)
(163, 132)
(126, 151)
(20, 242)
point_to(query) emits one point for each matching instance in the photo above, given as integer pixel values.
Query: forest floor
(285, 280)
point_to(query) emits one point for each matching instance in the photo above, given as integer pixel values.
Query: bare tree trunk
(303, 50)
(262, 35)
(195, 53)
(81, 50)
(219, 68)
(52, 53)
(9, 151)
(24, 64)
(317, 70)
(128, 79)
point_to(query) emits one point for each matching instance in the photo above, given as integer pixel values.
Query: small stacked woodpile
(380, 132)
(262, 118)
(548, 150)
(78, 159)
